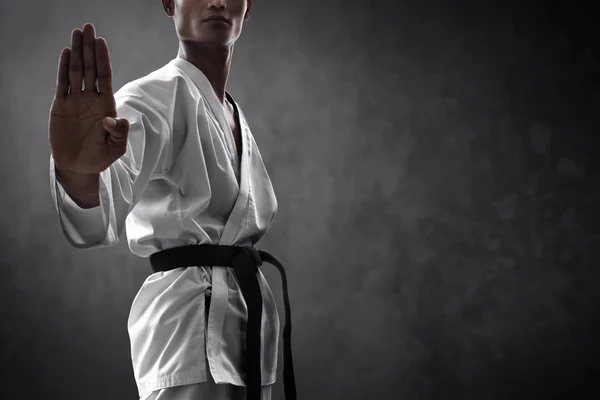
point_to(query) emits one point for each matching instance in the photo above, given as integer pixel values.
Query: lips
(217, 18)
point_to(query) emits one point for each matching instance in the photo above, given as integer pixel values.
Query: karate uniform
(181, 183)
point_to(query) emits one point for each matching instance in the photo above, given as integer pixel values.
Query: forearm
(82, 188)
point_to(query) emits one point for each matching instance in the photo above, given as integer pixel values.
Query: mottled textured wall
(434, 166)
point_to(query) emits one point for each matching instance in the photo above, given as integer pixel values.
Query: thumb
(117, 127)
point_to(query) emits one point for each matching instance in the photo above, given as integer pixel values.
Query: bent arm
(120, 186)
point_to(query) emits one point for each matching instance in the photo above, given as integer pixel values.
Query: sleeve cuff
(83, 227)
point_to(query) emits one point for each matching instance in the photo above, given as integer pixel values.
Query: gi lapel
(235, 224)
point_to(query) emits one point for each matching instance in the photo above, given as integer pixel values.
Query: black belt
(245, 261)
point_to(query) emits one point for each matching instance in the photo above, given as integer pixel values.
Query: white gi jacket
(180, 183)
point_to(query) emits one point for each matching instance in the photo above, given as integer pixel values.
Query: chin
(216, 37)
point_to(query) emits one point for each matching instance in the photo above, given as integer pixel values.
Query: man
(170, 157)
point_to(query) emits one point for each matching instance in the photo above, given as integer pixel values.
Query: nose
(216, 4)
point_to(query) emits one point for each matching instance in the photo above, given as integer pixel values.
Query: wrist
(83, 188)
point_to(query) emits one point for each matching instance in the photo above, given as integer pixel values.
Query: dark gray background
(435, 171)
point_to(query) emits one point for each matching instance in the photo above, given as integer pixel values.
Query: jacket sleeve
(122, 183)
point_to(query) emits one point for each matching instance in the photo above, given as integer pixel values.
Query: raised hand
(82, 140)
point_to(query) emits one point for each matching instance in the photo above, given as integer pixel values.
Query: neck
(214, 62)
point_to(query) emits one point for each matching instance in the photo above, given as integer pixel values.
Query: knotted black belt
(245, 262)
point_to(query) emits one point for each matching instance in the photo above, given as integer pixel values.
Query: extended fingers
(103, 67)
(62, 78)
(75, 62)
(89, 57)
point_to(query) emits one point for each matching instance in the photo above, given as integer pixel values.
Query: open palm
(81, 140)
